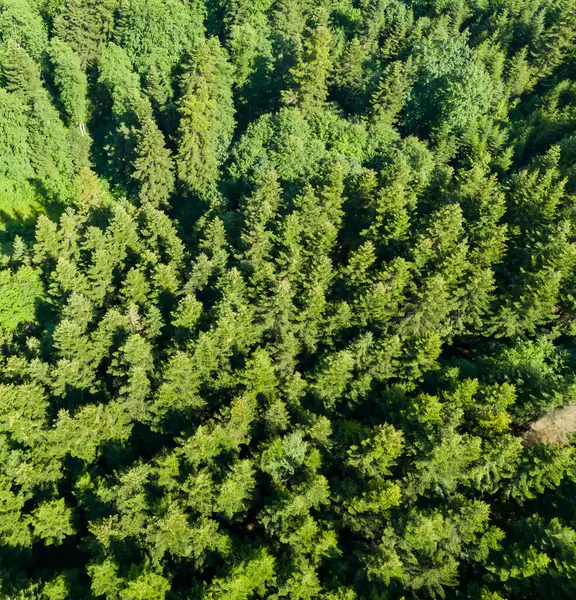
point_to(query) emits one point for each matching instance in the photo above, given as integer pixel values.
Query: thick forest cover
(284, 283)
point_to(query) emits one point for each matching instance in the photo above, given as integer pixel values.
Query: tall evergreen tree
(206, 117)
(85, 26)
(71, 82)
(153, 166)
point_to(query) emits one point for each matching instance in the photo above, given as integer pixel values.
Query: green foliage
(70, 80)
(20, 291)
(21, 21)
(51, 522)
(311, 74)
(85, 26)
(158, 32)
(153, 165)
(453, 88)
(206, 117)
(15, 150)
(283, 289)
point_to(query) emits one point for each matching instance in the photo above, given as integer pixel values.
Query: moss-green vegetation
(283, 286)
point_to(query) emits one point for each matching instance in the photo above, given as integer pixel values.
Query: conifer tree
(153, 166)
(22, 22)
(296, 319)
(85, 26)
(392, 91)
(71, 82)
(311, 74)
(206, 117)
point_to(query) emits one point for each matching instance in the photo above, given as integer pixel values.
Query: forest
(284, 287)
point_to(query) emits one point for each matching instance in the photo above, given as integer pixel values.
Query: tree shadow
(22, 223)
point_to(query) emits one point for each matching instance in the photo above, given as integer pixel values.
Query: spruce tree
(153, 166)
(206, 117)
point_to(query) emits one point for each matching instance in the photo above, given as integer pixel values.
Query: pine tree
(392, 92)
(153, 166)
(157, 33)
(257, 237)
(19, 72)
(22, 22)
(15, 152)
(312, 72)
(206, 117)
(350, 76)
(71, 82)
(318, 374)
(85, 26)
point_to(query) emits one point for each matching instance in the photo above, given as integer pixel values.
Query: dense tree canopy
(283, 286)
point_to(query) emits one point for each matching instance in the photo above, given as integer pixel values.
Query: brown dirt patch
(553, 428)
